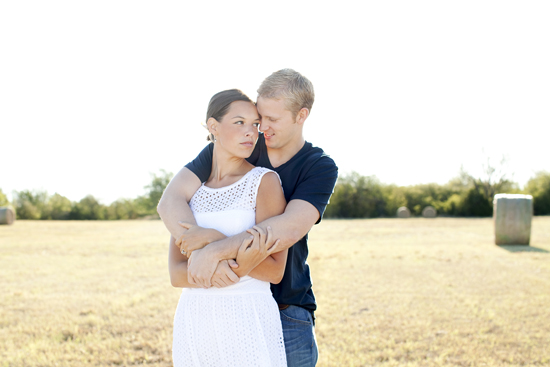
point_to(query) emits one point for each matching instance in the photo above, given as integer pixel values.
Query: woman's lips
(248, 144)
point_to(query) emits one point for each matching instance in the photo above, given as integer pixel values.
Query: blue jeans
(299, 335)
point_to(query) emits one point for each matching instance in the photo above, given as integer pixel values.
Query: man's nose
(263, 126)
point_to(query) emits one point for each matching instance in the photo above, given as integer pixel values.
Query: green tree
(88, 208)
(357, 196)
(125, 209)
(155, 190)
(59, 207)
(539, 188)
(3, 199)
(31, 204)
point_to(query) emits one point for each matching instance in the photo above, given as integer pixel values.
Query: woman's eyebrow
(237, 117)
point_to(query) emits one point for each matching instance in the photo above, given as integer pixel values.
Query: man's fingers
(233, 278)
(232, 263)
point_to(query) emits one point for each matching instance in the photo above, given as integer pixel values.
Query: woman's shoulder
(262, 174)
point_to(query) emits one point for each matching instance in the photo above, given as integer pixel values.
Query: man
(308, 176)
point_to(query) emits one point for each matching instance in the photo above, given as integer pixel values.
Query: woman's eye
(256, 124)
(239, 122)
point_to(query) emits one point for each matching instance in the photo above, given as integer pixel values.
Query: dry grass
(391, 292)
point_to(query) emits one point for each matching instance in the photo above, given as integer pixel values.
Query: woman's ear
(212, 125)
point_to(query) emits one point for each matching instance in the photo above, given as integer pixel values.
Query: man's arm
(305, 209)
(289, 227)
(173, 206)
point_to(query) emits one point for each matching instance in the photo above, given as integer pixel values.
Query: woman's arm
(177, 265)
(270, 202)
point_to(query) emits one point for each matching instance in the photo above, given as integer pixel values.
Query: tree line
(40, 205)
(354, 196)
(357, 196)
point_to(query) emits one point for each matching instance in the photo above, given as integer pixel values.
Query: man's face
(277, 123)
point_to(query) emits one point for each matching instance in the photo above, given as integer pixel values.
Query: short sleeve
(202, 165)
(318, 184)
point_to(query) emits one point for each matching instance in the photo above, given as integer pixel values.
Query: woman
(237, 325)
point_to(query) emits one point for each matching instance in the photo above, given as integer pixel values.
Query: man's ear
(302, 115)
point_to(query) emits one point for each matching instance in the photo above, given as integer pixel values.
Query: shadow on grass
(523, 248)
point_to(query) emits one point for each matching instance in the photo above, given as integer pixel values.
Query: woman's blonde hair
(290, 85)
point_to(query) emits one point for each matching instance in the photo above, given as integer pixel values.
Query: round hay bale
(512, 215)
(429, 212)
(403, 212)
(7, 216)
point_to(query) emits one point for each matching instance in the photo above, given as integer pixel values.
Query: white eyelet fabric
(237, 325)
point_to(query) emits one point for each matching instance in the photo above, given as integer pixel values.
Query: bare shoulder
(270, 200)
(270, 181)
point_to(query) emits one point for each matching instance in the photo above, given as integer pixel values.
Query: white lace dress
(237, 325)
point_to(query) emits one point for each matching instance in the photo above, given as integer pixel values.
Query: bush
(539, 188)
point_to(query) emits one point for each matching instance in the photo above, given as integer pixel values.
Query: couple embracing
(239, 215)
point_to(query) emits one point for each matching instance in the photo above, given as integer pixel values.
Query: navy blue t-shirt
(310, 175)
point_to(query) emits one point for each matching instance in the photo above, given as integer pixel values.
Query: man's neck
(280, 156)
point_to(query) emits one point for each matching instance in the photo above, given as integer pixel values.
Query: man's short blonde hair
(293, 87)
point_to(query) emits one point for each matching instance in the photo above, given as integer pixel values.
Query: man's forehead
(271, 105)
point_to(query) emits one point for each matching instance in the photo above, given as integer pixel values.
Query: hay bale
(429, 212)
(512, 216)
(403, 212)
(7, 216)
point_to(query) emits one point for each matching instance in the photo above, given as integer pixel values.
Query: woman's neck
(226, 168)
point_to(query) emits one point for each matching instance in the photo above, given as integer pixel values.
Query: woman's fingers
(256, 242)
(245, 244)
(269, 237)
(185, 225)
(261, 232)
(275, 248)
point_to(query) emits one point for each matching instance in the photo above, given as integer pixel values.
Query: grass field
(391, 292)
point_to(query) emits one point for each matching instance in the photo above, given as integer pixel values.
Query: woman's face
(237, 132)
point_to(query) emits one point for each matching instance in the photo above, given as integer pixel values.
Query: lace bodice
(241, 195)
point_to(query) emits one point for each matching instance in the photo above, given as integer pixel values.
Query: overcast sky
(95, 96)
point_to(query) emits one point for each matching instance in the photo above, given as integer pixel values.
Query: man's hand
(224, 275)
(195, 237)
(256, 248)
(201, 266)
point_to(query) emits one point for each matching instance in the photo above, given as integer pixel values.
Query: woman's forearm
(270, 270)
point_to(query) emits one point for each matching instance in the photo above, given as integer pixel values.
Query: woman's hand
(195, 238)
(224, 275)
(255, 249)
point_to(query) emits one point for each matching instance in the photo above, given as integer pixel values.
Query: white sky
(96, 95)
